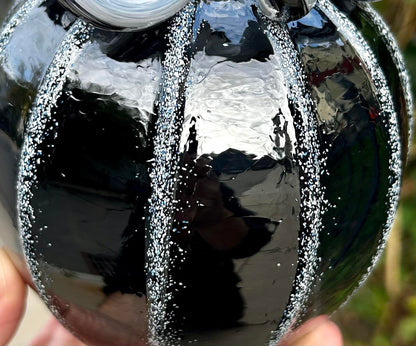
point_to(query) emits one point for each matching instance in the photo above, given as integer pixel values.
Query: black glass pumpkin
(210, 173)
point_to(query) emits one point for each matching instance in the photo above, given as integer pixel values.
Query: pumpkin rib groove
(42, 114)
(307, 154)
(389, 117)
(164, 171)
(353, 145)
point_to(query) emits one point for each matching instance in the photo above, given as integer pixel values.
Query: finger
(12, 298)
(327, 334)
(319, 331)
(63, 337)
(45, 335)
(55, 334)
(97, 328)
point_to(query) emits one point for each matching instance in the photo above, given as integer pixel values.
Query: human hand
(316, 332)
(13, 290)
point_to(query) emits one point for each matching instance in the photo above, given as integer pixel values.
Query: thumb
(12, 298)
(319, 331)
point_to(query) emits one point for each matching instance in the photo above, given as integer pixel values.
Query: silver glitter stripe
(308, 158)
(394, 50)
(16, 19)
(164, 175)
(38, 128)
(389, 116)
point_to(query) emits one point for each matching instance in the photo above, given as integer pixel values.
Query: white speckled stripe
(388, 114)
(13, 21)
(38, 127)
(164, 175)
(394, 50)
(310, 166)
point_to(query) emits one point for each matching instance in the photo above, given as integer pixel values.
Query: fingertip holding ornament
(318, 331)
(13, 292)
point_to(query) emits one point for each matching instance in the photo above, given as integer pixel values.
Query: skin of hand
(318, 331)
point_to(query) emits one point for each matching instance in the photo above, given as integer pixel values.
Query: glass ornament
(214, 176)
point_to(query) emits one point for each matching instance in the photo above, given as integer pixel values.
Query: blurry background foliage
(383, 312)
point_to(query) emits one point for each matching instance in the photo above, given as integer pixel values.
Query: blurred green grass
(383, 312)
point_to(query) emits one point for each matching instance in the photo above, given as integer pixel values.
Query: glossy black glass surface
(379, 44)
(236, 231)
(354, 145)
